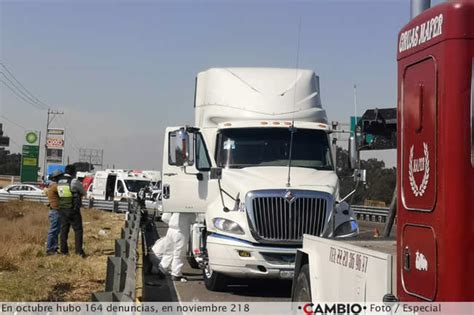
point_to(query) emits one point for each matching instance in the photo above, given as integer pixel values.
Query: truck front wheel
(302, 290)
(213, 280)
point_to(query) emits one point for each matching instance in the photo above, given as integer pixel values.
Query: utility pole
(355, 103)
(51, 115)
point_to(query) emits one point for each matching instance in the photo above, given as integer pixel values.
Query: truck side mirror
(360, 175)
(352, 149)
(180, 152)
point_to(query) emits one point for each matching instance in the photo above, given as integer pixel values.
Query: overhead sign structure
(377, 129)
(30, 157)
(55, 145)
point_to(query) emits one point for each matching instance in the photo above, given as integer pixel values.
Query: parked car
(153, 200)
(22, 189)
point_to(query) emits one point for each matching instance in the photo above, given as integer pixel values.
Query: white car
(22, 189)
(153, 200)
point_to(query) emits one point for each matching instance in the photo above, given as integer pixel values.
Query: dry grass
(4, 182)
(27, 274)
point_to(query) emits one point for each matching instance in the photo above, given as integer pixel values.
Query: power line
(15, 143)
(42, 104)
(14, 123)
(22, 97)
(20, 91)
(72, 136)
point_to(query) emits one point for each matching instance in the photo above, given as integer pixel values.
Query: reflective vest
(65, 194)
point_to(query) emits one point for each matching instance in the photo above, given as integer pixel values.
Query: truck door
(186, 183)
(418, 178)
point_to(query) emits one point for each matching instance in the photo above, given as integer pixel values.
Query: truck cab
(259, 166)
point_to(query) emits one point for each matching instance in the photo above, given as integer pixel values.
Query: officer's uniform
(70, 212)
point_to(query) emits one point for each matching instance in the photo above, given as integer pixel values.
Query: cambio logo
(310, 308)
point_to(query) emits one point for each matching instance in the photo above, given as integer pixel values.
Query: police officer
(70, 193)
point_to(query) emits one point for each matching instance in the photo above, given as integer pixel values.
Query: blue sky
(124, 70)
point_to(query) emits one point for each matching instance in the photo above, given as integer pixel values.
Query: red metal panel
(419, 136)
(452, 218)
(419, 259)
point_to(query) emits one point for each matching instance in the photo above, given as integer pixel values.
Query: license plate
(287, 274)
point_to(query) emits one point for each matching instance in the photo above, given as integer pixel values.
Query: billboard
(30, 156)
(52, 168)
(54, 145)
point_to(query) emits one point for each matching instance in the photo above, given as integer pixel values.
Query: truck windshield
(246, 147)
(136, 185)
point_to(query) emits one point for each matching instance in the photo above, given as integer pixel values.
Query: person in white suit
(170, 251)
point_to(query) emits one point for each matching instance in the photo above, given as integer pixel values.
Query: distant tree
(380, 183)
(10, 164)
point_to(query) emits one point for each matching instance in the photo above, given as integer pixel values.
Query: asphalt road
(239, 290)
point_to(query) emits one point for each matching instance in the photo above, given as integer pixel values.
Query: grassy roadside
(27, 274)
(4, 183)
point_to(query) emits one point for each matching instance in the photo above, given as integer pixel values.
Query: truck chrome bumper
(225, 256)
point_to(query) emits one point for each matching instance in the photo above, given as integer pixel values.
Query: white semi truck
(259, 166)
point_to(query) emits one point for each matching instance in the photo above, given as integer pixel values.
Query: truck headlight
(346, 229)
(227, 226)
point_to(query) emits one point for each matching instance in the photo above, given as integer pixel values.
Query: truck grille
(283, 219)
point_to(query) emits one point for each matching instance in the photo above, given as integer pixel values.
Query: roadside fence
(121, 275)
(107, 205)
(365, 213)
(373, 214)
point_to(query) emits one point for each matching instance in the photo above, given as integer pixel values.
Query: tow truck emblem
(418, 165)
(289, 197)
(420, 262)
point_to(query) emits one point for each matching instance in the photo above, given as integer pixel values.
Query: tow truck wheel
(190, 256)
(213, 280)
(302, 287)
(192, 262)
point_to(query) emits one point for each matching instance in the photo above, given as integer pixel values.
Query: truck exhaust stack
(418, 6)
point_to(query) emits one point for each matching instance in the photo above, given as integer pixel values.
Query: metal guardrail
(121, 275)
(365, 213)
(107, 205)
(10, 178)
(373, 214)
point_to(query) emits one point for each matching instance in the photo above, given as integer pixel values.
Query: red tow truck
(432, 255)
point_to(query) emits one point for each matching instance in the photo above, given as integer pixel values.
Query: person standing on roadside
(70, 193)
(54, 224)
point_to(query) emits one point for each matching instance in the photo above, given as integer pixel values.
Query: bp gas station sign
(30, 157)
(32, 138)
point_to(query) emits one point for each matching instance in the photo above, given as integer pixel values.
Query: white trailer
(252, 124)
(349, 270)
